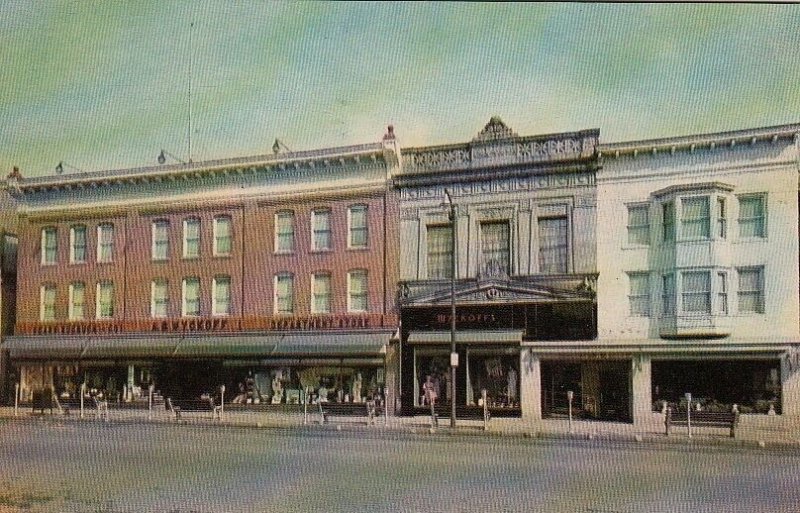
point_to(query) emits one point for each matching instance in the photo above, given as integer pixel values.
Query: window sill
(321, 251)
(226, 255)
(280, 253)
(358, 248)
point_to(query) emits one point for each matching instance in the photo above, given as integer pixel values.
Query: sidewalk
(754, 433)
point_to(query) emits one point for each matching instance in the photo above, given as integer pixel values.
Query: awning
(467, 337)
(53, 348)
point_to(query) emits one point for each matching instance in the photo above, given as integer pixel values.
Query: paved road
(50, 466)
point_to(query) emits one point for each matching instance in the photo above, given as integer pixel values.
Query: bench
(368, 409)
(43, 400)
(65, 404)
(702, 418)
(100, 408)
(179, 406)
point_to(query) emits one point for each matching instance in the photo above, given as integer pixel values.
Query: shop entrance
(601, 389)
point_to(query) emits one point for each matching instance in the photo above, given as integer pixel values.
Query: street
(69, 466)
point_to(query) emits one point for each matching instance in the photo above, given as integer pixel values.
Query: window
(222, 236)
(495, 242)
(440, 251)
(159, 299)
(47, 302)
(160, 240)
(105, 243)
(752, 216)
(284, 294)
(668, 221)
(722, 227)
(751, 290)
(321, 291)
(191, 238)
(357, 291)
(722, 293)
(695, 217)
(697, 292)
(639, 224)
(284, 232)
(221, 290)
(77, 297)
(639, 295)
(49, 245)
(190, 306)
(668, 294)
(105, 300)
(553, 245)
(77, 244)
(321, 230)
(357, 221)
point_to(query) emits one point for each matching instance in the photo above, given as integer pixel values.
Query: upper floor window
(668, 294)
(284, 232)
(321, 292)
(357, 226)
(495, 248)
(49, 245)
(77, 301)
(320, 230)
(284, 294)
(639, 224)
(751, 289)
(159, 298)
(357, 291)
(221, 290)
(105, 242)
(190, 304)
(77, 244)
(695, 217)
(668, 221)
(696, 292)
(440, 251)
(105, 300)
(553, 245)
(47, 302)
(223, 240)
(160, 249)
(722, 293)
(752, 216)
(191, 238)
(639, 294)
(722, 222)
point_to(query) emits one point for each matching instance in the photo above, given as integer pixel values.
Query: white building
(697, 255)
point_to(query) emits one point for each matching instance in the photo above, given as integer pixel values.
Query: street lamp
(453, 353)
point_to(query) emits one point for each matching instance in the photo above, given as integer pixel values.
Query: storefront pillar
(642, 399)
(790, 386)
(392, 378)
(530, 386)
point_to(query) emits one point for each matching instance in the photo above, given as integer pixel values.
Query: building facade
(698, 270)
(523, 229)
(269, 275)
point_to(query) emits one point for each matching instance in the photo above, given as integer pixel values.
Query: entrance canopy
(199, 346)
(467, 337)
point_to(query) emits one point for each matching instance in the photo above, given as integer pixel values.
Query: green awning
(53, 348)
(467, 337)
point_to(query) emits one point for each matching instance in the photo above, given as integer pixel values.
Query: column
(790, 385)
(530, 390)
(642, 398)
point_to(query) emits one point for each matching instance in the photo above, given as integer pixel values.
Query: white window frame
(99, 300)
(703, 222)
(49, 306)
(71, 314)
(191, 221)
(760, 306)
(444, 256)
(634, 229)
(321, 212)
(352, 229)
(276, 294)
(284, 214)
(668, 221)
(157, 243)
(723, 293)
(741, 221)
(350, 294)
(643, 296)
(101, 243)
(215, 310)
(668, 297)
(155, 301)
(184, 298)
(218, 220)
(315, 279)
(708, 293)
(484, 261)
(541, 250)
(722, 217)
(45, 232)
(72, 246)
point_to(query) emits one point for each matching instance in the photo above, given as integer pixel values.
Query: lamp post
(453, 353)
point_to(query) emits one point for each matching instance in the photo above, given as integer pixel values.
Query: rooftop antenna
(61, 165)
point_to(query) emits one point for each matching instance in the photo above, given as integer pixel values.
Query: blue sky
(104, 85)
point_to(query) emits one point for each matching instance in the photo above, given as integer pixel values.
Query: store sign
(190, 325)
(87, 328)
(319, 323)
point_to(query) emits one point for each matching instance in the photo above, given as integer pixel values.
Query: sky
(107, 84)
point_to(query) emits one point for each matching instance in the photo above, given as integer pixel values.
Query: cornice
(700, 142)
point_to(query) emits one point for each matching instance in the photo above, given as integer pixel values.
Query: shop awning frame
(489, 337)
